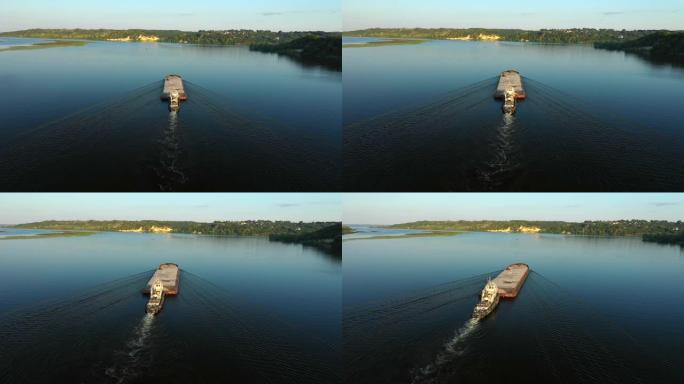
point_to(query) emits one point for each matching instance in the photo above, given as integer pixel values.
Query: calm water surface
(423, 116)
(594, 310)
(248, 310)
(75, 111)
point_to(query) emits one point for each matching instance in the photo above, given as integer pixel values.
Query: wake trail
(554, 334)
(133, 353)
(452, 349)
(169, 170)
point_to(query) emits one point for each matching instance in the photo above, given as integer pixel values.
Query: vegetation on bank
(586, 228)
(329, 237)
(213, 37)
(49, 44)
(324, 50)
(217, 228)
(658, 45)
(409, 235)
(385, 42)
(555, 36)
(46, 235)
(676, 238)
(346, 230)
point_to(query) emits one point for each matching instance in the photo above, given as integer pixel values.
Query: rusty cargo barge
(164, 282)
(510, 89)
(174, 91)
(506, 285)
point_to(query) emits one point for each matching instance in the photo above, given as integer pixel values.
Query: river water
(593, 310)
(71, 310)
(422, 118)
(89, 118)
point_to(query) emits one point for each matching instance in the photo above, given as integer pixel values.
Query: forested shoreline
(649, 230)
(216, 228)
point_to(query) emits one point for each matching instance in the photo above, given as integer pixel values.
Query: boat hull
(169, 274)
(481, 314)
(511, 280)
(508, 80)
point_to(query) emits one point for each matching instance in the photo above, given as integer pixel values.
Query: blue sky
(524, 14)
(26, 207)
(287, 15)
(400, 207)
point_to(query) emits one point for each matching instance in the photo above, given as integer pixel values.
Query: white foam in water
(452, 349)
(133, 348)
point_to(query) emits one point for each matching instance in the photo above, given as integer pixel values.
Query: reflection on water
(461, 142)
(248, 309)
(593, 310)
(78, 120)
(203, 332)
(134, 143)
(418, 118)
(544, 335)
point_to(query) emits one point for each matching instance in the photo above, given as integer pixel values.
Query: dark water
(423, 117)
(90, 118)
(248, 310)
(594, 310)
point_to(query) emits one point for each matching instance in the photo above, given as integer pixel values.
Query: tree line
(555, 36)
(658, 44)
(208, 37)
(586, 228)
(216, 228)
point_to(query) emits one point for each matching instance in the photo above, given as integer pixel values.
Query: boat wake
(169, 172)
(453, 348)
(131, 354)
(496, 171)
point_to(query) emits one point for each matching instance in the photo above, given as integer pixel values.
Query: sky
(522, 14)
(395, 208)
(189, 15)
(202, 207)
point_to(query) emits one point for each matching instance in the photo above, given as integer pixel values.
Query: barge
(510, 89)
(164, 282)
(506, 285)
(173, 91)
(511, 280)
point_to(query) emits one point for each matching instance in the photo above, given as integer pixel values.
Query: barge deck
(511, 280)
(173, 91)
(168, 274)
(510, 89)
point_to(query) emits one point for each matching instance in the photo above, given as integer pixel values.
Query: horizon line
(543, 221)
(179, 30)
(522, 29)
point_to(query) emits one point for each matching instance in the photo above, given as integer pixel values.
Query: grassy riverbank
(49, 44)
(47, 235)
(384, 43)
(408, 236)
(346, 230)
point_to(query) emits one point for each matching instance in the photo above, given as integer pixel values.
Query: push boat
(174, 91)
(164, 282)
(489, 299)
(156, 298)
(510, 89)
(506, 285)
